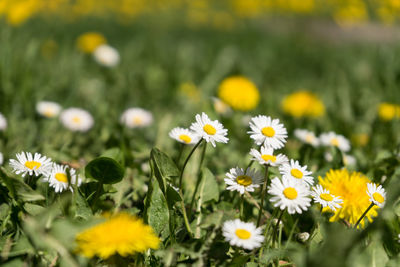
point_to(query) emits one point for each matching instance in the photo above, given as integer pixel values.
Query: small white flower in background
(27, 163)
(267, 131)
(303, 237)
(58, 178)
(325, 198)
(76, 119)
(349, 160)
(1, 158)
(241, 180)
(221, 107)
(136, 118)
(377, 194)
(328, 156)
(266, 156)
(106, 55)
(307, 137)
(48, 109)
(211, 131)
(3, 122)
(296, 172)
(335, 140)
(275, 221)
(242, 234)
(184, 136)
(289, 194)
(398, 238)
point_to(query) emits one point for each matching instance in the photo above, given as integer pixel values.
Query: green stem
(276, 227)
(185, 218)
(262, 195)
(249, 165)
(242, 207)
(198, 179)
(186, 162)
(180, 154)
(363, 215)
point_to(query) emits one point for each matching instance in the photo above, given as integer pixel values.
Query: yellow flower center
(244, 180)
(268, 157)
(334, 142)
(61, 177)
(76, 119)
(242, 233)
(49, 113)
(33, 165)
(209, 129)
(378, 197)
(309, 138)
(290, 193)
(137, 120)
(268, 131)
(296, 173)
(326, 197)
(185, 138)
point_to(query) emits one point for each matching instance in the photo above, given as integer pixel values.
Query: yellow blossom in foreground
(352, 188)
(239, 93)
(88, 42)
(303, 104)
(387, 111)
(123, 234)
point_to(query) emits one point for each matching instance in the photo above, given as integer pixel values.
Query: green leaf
(208, 187)
(116, 154)
(164, 168)
(19, 190)
(105, 170)
(33, 209)
(156, 213)
(83, 210)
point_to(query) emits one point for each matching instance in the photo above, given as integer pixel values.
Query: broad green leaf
(21, 246)
(82, 209)
(105, 170)
(208, 187)
(116, 154)
(20, 190)
(33, 209)
(156, 214)
(172, 195)
(164, 168)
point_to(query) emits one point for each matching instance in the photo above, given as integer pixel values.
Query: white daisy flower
(106, 55)
(240, 180)
(296, 172)
(58, 178)
(136, 118)
(307, 137)
(349, 160)
(376, 194)
(184, 136)
(336, 140)
(289, 194)
(266, 156)
(325, 198)
(76, 119)
(1, 158)
(221, 107)
(267, 131)
(3, 122)
(27, 163)
(303, 237)
(242, 234)
(48, 109)
(211, 131)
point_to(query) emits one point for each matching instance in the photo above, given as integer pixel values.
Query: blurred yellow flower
(388, 111)
(352, 188)
(88, 42)
(20, 11)
(239, 93)
(189, 90)
(123, 234)
(303, 104)
(360, 139)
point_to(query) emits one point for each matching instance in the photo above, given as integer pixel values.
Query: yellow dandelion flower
(123, 234)
(352, 188)
(239, 93)
(303, 104)
(360, 139)
(387, 111)
(88, 42)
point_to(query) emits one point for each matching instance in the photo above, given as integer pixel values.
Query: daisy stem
(242, 207)
(262, 195)
(276, 227)
(249, 165)
(180, 154)
(198, 179)
(186, 162)
(363, 215)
